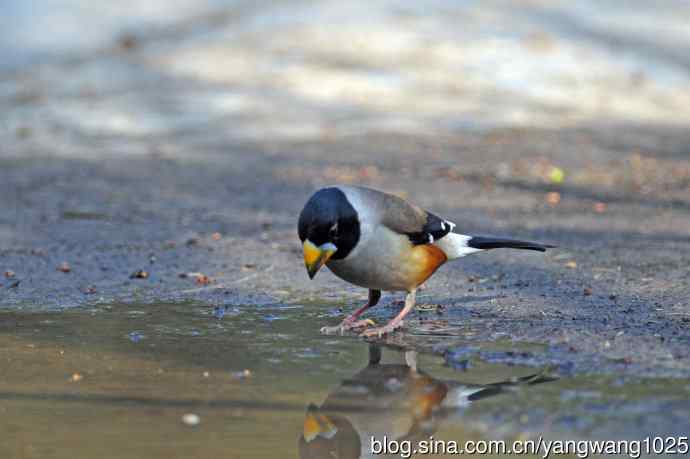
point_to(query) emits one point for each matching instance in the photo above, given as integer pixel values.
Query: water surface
(117, 381)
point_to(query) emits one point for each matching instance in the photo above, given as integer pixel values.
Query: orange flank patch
(426, 259)
(427, 396)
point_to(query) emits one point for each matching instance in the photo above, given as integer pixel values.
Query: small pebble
(128, 42)
(140, 274)
(599, 207)
(271, 318)
(244, 374)
(219, 312)
(191, 419)
(76, 377)
(203, 279)
(64, 267)
(553, 198)
(135, 336)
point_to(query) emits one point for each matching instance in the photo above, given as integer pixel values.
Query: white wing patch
(455, 245)
(458, 397)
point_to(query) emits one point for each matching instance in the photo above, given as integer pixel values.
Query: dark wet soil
(220, 228)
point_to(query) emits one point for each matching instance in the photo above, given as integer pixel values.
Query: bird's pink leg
(351, 321)
(397, 322)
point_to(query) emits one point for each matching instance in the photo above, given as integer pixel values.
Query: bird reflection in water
(395, 401)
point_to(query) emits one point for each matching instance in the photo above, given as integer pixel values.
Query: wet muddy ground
(151, 177)
(614, 293)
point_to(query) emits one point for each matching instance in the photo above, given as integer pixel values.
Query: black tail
(486, 243)
(500, 387)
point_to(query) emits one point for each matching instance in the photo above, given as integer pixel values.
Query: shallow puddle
(185, 380)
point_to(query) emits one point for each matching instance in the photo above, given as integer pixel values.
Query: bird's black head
(328, 435)
(328, 223)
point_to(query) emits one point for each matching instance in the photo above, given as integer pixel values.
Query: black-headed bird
(381, 242)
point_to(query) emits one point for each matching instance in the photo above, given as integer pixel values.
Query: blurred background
(308, 69)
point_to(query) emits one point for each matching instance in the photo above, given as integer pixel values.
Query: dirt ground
(615, 291)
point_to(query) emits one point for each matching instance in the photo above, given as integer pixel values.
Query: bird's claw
(380, 331)
(345, 326)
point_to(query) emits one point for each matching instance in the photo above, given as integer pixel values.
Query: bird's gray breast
(374, 262)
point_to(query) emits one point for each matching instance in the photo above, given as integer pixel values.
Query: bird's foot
(347, 325)
(380, 331)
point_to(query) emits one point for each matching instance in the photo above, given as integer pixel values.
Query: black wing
(434, 229)
(420, 226)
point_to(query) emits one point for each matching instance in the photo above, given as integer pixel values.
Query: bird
(382, 242)
(396, 401)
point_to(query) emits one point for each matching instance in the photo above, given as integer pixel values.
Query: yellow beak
(317, 425)
(315, 257)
